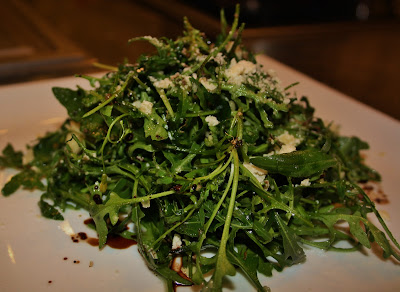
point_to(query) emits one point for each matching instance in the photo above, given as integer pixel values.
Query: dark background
(350, 45)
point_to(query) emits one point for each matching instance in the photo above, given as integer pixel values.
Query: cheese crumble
(146, 204)
(305, 182)
(238, 72)
(207, 84)
(164, 83)
(176, 241)
(145, 107)
(212, 121)
(258, 173)
(289, 143)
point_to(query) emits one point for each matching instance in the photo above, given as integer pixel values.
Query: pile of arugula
(203, 152)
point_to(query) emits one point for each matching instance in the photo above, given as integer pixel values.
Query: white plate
(32, 249)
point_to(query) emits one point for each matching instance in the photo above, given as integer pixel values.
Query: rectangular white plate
(32, 248)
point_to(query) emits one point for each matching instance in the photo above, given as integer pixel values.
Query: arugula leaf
(303, 163)
(49, 211)
(71, 100)
(27, 178)
(11, 158)
(290, 245)
(349, 149)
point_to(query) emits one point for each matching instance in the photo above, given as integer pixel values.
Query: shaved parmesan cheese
(212, 121)
(176, 241)
(238, 72)
(305, 182)
(207, 84)
(164, 83)
(289, 143)
(258, 173)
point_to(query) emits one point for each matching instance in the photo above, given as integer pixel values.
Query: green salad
(211, 161)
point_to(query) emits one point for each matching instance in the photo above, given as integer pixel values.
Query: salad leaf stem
(165, 100)
(216, 209)
(105, 66)
(214, 173)
(112, 97)
(223, 266)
